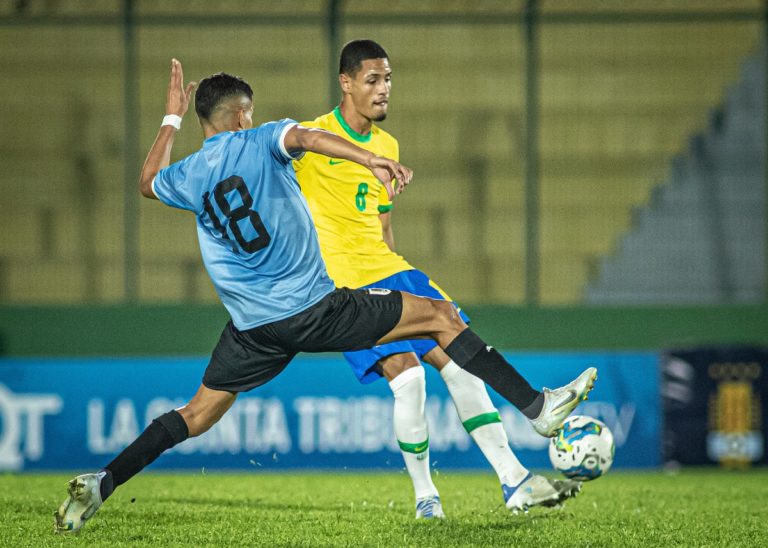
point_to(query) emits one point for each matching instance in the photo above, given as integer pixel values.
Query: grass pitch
(693, 508)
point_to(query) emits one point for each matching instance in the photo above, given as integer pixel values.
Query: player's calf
(205, 409)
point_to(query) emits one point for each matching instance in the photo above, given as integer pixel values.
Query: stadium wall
(115, 330)
(313, 415)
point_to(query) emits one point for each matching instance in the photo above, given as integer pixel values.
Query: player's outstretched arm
(176, 105)
(299, 139)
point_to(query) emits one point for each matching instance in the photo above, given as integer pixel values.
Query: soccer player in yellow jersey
(351, 212)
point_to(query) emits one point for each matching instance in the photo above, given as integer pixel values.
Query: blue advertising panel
(79, 413)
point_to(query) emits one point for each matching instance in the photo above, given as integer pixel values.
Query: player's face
(370, 87)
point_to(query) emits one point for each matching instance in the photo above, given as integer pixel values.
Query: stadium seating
(617, 102)
(702, 237)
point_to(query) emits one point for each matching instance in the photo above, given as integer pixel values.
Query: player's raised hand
(177, 100)
(386, 170)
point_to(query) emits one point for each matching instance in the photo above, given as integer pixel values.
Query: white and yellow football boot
(83, 501)
(560, 402)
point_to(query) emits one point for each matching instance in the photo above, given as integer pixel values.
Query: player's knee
(447, 316)
(391, 366)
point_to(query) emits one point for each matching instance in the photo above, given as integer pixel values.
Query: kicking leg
(196, 417)
(479, 417)
(89, 491)
(406, 379)
(482, 421)
(439, 320)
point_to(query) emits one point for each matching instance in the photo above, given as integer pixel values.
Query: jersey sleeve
(385, 204)
(302, 161)
(275, 137)
(169, 185)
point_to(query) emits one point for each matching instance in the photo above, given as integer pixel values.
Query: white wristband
(172, 120)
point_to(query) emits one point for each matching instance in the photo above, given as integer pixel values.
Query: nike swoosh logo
(571, 397)
(334, 162)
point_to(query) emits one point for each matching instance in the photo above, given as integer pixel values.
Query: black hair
(355, 52)
(216, 88)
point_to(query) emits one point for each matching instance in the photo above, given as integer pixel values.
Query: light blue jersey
(256, 234)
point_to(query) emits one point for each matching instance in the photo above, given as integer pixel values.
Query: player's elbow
(145, 187)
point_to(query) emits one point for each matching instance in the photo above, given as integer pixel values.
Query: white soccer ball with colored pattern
(583, 449)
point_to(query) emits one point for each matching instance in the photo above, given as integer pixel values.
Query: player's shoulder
(252, 133)
(266, 132)
(384, 135)
(386, 142)
(324, 121)
(270, 126)
(264, 127)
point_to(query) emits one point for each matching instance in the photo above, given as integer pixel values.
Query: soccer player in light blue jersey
(260, 248)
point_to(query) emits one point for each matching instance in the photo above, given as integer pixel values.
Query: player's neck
(220, 126)
(209, 132)
(354, 119)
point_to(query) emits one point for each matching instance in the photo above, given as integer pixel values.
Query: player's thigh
(206, 408)
(345, 320)
(391, 366)
(426, 318)
(419, 283)
(243, 360)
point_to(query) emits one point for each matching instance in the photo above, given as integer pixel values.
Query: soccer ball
(583, 449)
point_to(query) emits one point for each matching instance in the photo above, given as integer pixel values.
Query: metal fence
(566, 152)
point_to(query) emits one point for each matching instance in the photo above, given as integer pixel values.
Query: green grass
(693, 508)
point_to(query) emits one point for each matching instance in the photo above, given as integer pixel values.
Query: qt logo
(21, 426)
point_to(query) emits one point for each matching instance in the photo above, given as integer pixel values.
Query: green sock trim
(414, 447)
(481, 420)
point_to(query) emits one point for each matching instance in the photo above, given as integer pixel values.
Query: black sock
(107, 484)
(534, 408)
(164, 432)
(471, 353)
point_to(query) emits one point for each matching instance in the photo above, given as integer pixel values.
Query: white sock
(411, 431)
(482, 421)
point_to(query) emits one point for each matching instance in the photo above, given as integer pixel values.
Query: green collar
(351, 132)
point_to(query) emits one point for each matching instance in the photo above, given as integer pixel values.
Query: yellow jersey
(346, 200)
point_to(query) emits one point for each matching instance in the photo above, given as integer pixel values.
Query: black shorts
(345, 319)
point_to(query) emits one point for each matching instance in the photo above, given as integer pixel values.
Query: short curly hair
(355, 52)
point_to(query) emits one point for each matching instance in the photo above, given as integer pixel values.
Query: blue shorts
(363, 362)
